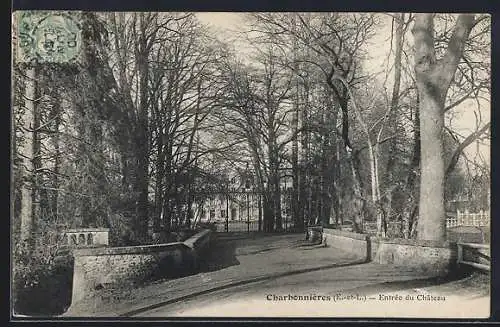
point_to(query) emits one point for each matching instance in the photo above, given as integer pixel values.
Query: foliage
(42, 279)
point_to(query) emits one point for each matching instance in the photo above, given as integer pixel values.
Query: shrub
(42, 281)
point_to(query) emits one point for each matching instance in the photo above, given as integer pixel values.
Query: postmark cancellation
(47, 36)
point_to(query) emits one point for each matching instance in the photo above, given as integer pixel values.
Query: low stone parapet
(116, 267)
(349, 241)
(200, 241)
(433, 257)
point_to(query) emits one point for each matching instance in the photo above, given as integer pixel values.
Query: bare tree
(434, 77)
(258, 111)
(336, 40)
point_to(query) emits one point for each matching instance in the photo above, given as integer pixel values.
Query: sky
(227, 24)
(223, 20)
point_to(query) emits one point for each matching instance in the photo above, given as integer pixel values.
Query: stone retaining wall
(437, 258)
(352, 242)
(115, 267)
(431, 257)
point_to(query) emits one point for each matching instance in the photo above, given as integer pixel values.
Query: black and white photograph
(250, 164)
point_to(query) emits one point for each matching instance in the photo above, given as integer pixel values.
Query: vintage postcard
(250, 164)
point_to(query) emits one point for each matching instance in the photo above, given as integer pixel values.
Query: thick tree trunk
(329, 161)
(57, 161)
(358, 200)
(274, 177)
(275, 190)
(268, 213)
(296, 218)
(83, 159)
(39, 194)
(304, 169)
(431, 224)
(160, 175)
(142, 145)
(338, 204)
(298, 221)
(142, 182)
(410, 190)
(278, 219)
(433, 79)
(394, 114)
(26, 152)
(260, 211)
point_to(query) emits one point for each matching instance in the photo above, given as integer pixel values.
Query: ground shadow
(220, 255)
(306, 243)
(51, 295)
(309, 247)
(414, 283)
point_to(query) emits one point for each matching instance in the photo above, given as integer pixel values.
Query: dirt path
(366, 290)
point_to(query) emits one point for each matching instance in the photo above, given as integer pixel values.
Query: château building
(241, 202)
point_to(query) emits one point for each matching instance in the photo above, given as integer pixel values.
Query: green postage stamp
(47, 36)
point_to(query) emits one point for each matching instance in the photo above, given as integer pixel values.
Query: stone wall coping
(85, 230)
(191, 242)
(141, 249)
(315, 228)
(396, 241)
(353, 235)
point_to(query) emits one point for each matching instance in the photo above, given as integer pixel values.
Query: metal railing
(238, 226)
(475, 249)
(247, 226)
